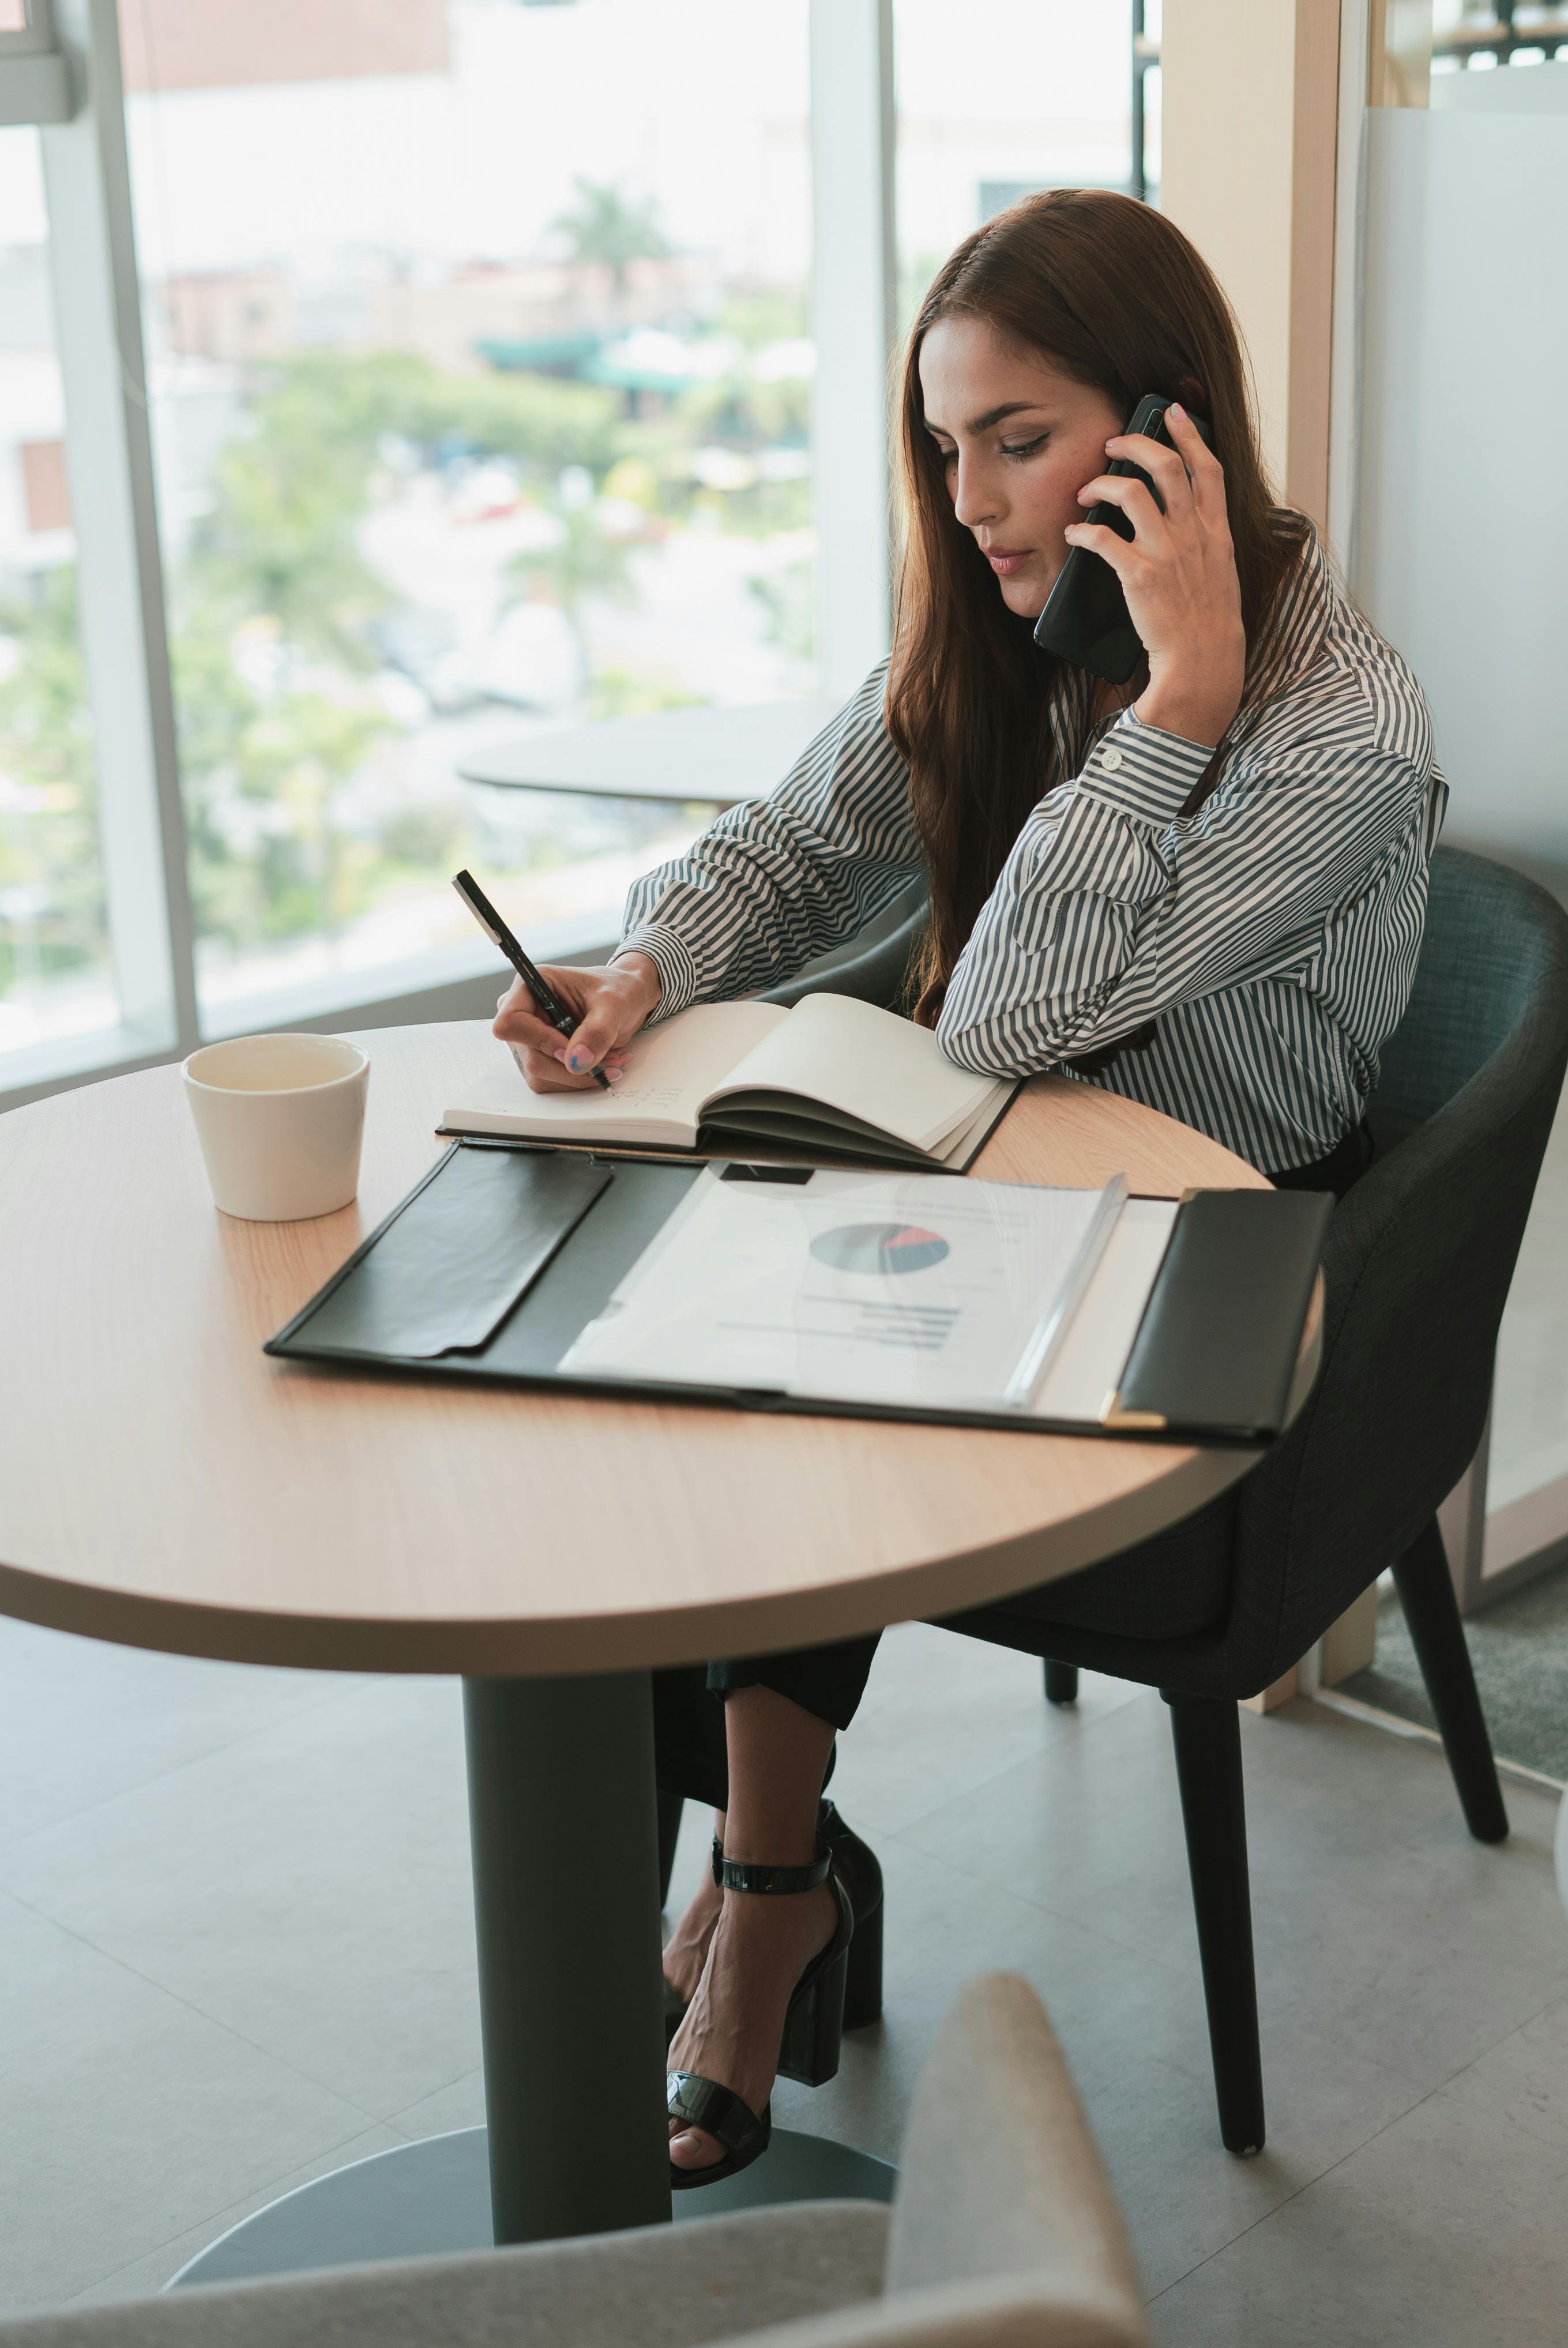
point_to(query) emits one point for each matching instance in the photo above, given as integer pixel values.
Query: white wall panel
(1462, 540)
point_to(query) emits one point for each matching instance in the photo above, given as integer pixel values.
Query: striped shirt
(1272, 934)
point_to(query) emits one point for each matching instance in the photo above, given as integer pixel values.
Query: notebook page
(670, 1068)
(868, 1064)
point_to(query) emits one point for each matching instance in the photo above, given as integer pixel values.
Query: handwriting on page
(654, 1098)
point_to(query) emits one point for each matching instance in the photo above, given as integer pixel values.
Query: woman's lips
(1004, 561)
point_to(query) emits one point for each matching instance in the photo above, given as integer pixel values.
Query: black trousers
(688, 1704)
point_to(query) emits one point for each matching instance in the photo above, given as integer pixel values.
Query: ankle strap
(739, 1875)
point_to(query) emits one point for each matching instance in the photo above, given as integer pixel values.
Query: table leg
(566, 1895)
(566, 1901)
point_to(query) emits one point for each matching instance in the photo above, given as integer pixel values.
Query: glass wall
(55, 978)
(479, 370)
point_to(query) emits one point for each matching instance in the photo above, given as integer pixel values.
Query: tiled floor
(235, 1951)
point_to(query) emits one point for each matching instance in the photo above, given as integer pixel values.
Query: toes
(693, 2148)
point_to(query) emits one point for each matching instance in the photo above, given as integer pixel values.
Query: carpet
(1519, 1651)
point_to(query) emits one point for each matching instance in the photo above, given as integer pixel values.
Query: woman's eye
(1024, 448)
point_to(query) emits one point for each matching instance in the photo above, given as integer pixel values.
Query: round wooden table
(164, 1484)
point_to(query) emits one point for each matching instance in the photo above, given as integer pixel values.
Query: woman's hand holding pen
(609, 1005)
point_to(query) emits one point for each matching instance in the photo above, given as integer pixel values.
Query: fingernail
(1178, 411)
(576, 1061)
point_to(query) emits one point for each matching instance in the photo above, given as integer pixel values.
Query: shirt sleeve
(772, 885)
(1113, 908)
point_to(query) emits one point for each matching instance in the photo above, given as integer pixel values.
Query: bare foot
(686, 1951)
(761, 1946)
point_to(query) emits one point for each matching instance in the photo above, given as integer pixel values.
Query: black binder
(497, 1260)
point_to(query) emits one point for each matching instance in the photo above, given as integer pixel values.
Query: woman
(1205, 890)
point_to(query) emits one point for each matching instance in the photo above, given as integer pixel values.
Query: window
(1035, 94)
(420, 379)
(487, 412)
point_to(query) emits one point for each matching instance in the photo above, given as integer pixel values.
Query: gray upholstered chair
(1420, 1256)
(1004, 2234)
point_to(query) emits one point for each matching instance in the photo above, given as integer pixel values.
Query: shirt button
(1111, 761)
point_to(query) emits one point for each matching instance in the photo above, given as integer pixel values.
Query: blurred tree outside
(607, 229)
(276, 613)
(52, 909)
(279, 622)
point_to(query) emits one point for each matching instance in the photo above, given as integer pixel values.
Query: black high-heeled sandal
(858, 1868)
(809, 2044)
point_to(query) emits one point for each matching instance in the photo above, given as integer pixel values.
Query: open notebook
(834, 1076)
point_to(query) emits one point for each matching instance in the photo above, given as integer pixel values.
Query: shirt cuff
(674, 960)
(1142, 771)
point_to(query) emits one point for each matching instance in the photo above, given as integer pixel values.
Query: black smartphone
(1085, 618)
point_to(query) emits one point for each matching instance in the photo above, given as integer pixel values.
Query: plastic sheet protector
(881, 1288)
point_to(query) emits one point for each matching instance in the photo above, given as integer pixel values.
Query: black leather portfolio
(496, 1262)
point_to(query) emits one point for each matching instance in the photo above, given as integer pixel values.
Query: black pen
(550, 1006)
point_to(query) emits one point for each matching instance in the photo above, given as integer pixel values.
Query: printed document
(892, 1288)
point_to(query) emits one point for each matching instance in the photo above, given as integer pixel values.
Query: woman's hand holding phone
(609, 1005)
(1178, 572)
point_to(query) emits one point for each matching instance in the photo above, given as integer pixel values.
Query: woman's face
(1018, 441)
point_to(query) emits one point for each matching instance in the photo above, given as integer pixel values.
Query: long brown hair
(1113, 296)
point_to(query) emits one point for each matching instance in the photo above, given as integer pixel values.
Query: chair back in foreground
(1003, 2213)
(1004, 2234)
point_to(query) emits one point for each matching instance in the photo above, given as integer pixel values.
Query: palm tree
(608, 230)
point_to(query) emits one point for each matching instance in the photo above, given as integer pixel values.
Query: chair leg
(670, 1806)
(1432, 1612)
(1061, 1682)
(1208, 1738)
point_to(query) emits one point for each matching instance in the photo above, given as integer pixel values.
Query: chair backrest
(874, 971)
(1005, 2233)
(1420, 1257)
(1001, 2190)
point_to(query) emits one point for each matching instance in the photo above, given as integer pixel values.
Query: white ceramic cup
(279, 1118)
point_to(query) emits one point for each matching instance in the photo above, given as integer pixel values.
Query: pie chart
(879, 1247)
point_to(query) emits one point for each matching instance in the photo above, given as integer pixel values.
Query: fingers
(519, 1023)
(592, 1037)
(1164, 467)
(1133, 498)
(543, 1073)
(596, 1041)
(1122, 553)
(1206, 472)
(606, 1007)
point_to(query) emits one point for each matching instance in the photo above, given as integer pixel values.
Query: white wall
(1462, 546)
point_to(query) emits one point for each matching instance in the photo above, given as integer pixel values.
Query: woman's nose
(974, 499)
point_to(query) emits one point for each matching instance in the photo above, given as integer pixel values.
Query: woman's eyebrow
(977, 424)
(994, 414)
